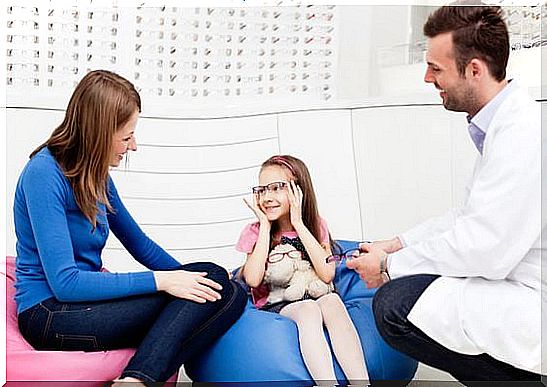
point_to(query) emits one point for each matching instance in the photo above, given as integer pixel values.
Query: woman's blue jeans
(391, 305)
(166, 330)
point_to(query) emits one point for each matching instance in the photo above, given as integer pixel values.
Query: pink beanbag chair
(24, 363)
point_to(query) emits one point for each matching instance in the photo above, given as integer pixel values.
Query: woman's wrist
(158, 278)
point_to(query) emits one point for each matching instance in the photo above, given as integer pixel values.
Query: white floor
(424, 373)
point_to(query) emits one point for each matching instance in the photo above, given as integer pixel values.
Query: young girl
(286, 208)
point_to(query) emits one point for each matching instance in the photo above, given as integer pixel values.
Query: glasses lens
(334, 258)
(258, 190)
(351, 253)
(295, 254)
(273, 258)
(276, 186)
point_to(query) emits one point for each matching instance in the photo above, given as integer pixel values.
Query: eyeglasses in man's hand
(348, 254)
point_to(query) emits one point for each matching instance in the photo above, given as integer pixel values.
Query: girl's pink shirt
(246, 244)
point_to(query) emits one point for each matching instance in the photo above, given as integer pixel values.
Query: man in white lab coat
(462, 292)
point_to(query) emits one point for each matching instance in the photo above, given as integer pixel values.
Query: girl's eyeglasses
(348, 254)
(274, 187)
(276, 257)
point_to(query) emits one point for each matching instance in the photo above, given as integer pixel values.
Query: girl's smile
(274, 203)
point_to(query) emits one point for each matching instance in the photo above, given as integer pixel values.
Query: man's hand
(388, 245)
(367, 264)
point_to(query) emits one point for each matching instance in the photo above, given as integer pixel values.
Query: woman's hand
(295, 201)
(190, 285)
(261, 216)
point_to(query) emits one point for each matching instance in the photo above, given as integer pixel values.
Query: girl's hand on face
(255, 207)
(189, 285)
(295, 201)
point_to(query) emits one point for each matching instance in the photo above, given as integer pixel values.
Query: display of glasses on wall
(233, 52)
(225, 54)
(527, 27)
(60, 44)
(525, 24)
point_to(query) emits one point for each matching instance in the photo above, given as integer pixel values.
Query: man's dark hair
(477, 32)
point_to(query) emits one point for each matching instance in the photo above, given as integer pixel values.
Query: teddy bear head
(282, 263)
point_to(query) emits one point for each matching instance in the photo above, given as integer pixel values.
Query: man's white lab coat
(488, 299)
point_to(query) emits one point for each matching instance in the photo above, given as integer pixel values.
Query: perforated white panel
(175, 56)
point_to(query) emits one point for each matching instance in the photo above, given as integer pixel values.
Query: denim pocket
(33, 324)
(77, 343)
(24, 321)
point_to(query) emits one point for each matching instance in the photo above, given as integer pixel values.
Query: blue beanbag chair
(263, 346)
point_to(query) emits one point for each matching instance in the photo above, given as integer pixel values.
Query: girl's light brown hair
(299, 172)
(82, 144)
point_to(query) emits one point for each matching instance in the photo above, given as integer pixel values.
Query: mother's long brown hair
(82, 145)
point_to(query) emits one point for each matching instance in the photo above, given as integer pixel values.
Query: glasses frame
(344, 255)
(273, 187)
(281, 256)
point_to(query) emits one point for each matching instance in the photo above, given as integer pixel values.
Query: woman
(65, 205)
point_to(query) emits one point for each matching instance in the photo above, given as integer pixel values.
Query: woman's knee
(240, 296)
(215, 272)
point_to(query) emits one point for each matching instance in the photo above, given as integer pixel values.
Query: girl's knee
(303, 312)
(333, 309)
(331, 301)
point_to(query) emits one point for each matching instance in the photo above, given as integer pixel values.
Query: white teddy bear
(289, 279)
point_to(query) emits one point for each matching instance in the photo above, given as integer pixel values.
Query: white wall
(376, 171)
(406, 159)
(324, 140)
(383, 157)
(25, 130)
